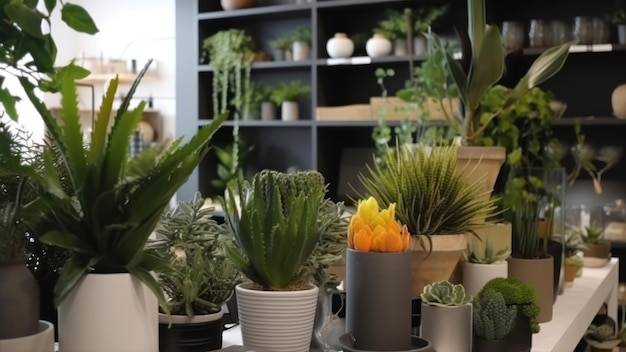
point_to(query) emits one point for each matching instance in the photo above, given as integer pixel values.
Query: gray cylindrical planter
(400, 47)
(378, 300)
(19, 300)
(439, 324)
(279, 54)
(621, 33)
(268, 111)
(420, 47)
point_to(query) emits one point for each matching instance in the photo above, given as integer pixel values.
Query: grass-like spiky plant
(275, 227)
(114, 202)
(431, 197)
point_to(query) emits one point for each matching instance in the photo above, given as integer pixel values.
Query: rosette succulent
(374, 230)
(445, 294)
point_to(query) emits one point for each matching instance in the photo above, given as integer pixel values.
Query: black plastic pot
(196, 337)
(520, 339)
(555, 249)
(482, 345)
(19, 300)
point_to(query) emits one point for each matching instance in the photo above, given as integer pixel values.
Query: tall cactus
(493, 319)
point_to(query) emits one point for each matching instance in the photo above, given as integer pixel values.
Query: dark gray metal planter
(449, 329)
(19, 300)
(193, 337)
(378, 311)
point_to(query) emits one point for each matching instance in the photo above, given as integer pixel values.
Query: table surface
(572, 313)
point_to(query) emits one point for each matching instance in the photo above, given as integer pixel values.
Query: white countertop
(573, 311)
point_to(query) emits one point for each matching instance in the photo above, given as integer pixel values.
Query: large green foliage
(115, 202)
(275, 226)
(493, 318)
(26, 50)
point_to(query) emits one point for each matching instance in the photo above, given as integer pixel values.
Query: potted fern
(275, 229)
(106, 296)
(447, 311)
(198, 280)
(286, 95)
(492, 320)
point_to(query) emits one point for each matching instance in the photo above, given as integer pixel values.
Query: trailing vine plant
(230, 53)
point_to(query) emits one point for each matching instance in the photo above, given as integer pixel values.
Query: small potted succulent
(286, 95)
(447, 311)
(573, 246)
(493, 320)
(198, 280)
(602, 338)
(598, 250)
(480, 267)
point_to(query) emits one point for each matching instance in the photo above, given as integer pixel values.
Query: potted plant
(573, 245)
(517, 293)
(598, 250)
(434, 202)
(602, 338)
(447, 311)
(281, 47)
(20, 167)
(198, 280)
(480, 267)
(492, 321)
(395, 27)
(618, 18)
(301, 43)
(106, 296)
(481, 67)
(286, 95)
(255, 95)
(275, 229)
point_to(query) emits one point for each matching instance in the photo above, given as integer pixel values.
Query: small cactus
(444, 294)
(493, 319)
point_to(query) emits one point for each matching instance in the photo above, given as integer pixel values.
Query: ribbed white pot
(277, 321)
(109, 312)
(476, 275)
(42, 341)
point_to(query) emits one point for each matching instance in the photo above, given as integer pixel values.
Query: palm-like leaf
(111, 208)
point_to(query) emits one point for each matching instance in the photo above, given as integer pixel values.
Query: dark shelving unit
(585, 82)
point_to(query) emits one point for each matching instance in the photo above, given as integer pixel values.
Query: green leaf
(77, 18)
(99, 133)
(8, 103)
(50, 5)
(459, 77)
(75, 269)
(66, 240)
(72, 72)
(146, 277)
(487, 67)
(71, 129)
(38, 50)
(28, 19)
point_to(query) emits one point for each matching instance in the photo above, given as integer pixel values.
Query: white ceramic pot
(618, 101)
(420, 47)
(277, 321)
(109, 312)
(289, 111)
(400, 47)
(42, 341)
(301, 51)
(378, 46)
(340, 46)
(476, 275)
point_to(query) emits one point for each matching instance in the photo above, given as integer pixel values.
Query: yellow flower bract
(375, 230)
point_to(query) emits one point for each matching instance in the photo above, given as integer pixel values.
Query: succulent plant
(445, 294)
(592, 234)
(489, 257)
(516, 292)
(602, 336)
(493, 319)
(375, 230)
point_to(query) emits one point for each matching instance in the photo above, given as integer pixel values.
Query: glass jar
(539, 34)
(600, 31)
(513, 35)
(615, 220)
(583, 30)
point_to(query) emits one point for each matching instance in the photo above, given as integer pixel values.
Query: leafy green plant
(396, 24)
(493, 319)
(573, 242)
(199, 278)
(289, 91)
(283, 42)
(483, 66)
(115, 202)
(592, 234)
(27, 50)
(515, 292)
(602, 336)
(228, 170)
(275, 227)
(300, 34)
(445, 294)
(431, 197)
(525, 221)
(490, 255)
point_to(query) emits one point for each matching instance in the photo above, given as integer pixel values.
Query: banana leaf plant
(485, 69)
(117, 200)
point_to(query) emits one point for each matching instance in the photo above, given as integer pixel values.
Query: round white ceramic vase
(476, 275)
(378, 46)
(339, 46)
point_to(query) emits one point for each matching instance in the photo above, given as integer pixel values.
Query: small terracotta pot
(570, 273)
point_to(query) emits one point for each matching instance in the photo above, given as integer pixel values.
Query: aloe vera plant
(117, 201)
(484, 56)
(275, 227)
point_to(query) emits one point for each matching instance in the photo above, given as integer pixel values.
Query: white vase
(42, 341)
(301, 51)
(289, 111)
(340, 46)
(109, 312)
(476, 275)
(621, 33)
(277, 321)
(378, 46)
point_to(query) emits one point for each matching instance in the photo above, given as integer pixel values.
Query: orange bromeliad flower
(375, 230)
